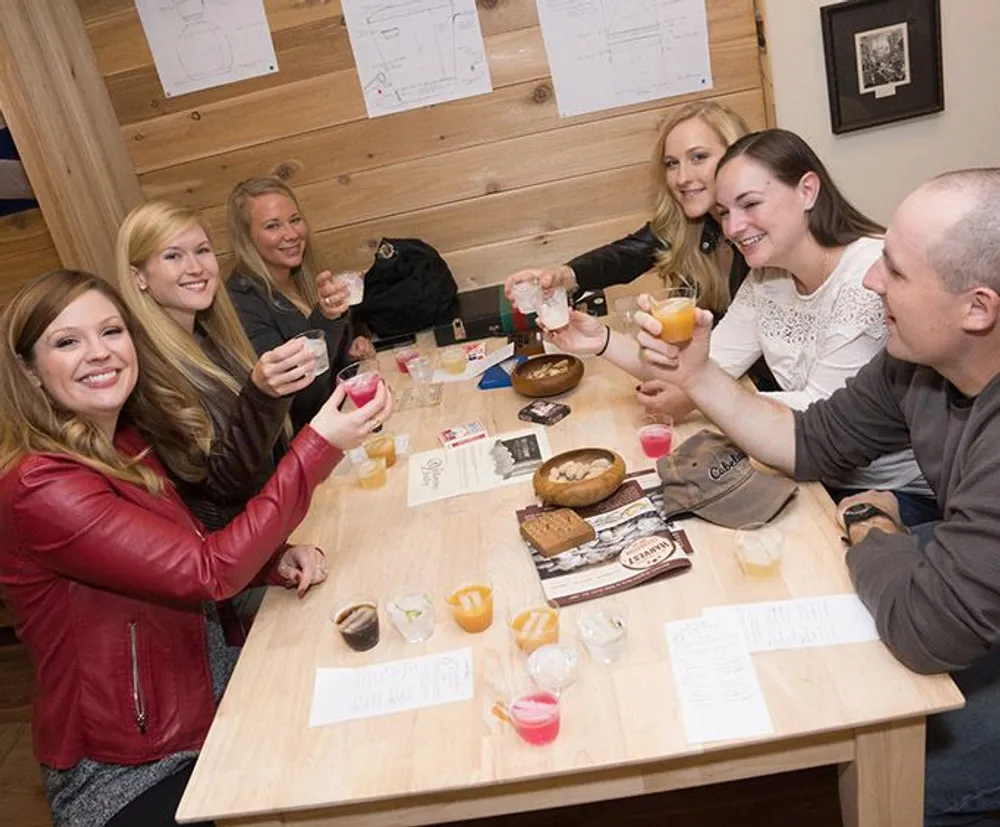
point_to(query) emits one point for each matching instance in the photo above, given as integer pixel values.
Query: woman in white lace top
(803, 306)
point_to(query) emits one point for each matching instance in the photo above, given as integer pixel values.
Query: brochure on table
(504, 459)
(633, 544)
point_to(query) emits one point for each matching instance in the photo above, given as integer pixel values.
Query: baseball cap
(710, 476)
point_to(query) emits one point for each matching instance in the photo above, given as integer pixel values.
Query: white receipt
(716, 681)
(796, 624)
(397, 686)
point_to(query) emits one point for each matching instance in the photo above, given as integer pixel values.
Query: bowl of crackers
(580, 477)
(547, 375)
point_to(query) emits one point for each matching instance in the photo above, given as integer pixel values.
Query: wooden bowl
(581, 492)
(547, 375)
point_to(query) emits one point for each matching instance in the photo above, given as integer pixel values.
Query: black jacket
(628, 258)
(272, 322)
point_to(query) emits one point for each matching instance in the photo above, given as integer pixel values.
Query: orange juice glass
(674, 310)
(535, 625)
(472, 606)
(383, 445)
(371, 473)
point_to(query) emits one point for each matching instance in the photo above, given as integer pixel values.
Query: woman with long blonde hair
(169, 277)
(279, 287)
(111, 581)
(682, 240)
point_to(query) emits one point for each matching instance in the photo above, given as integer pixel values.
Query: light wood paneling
(496, 182)
(57, 108)
(26, 250)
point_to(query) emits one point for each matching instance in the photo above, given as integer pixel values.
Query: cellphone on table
(542, 412)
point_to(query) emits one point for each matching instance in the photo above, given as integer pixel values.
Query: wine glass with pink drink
(657, 438)
(360, 380)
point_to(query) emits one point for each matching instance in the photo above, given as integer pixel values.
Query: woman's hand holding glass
(301, 567)
(346, 430)
(678, 364)
(286, 369)
(584, 335)
(547, 277)
(333, 296)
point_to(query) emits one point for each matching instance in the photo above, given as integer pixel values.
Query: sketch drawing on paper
(202, 47)
(607, 53)
(198, 44)
(412, 53)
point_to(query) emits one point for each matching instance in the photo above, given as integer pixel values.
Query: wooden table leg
(884, 785)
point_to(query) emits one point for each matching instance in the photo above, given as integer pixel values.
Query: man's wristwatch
(859, 512)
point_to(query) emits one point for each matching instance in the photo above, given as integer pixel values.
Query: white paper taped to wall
(608, 53)
(200, 44)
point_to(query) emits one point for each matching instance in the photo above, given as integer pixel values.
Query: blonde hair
(160, 407)
(249, 259)
(146, 231)
(683, 259)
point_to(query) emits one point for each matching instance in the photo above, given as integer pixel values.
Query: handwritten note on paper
(607, 53)
(349, 694)
(796, 624)
(716, 681)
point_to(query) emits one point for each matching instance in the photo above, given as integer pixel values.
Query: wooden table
(621, 734)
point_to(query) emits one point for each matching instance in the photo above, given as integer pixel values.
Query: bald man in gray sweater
(935, 592)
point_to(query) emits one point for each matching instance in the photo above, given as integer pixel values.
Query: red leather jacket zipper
(138, 702)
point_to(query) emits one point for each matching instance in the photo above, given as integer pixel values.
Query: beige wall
(877, 167)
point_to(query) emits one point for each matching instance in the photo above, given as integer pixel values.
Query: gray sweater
(936, 608)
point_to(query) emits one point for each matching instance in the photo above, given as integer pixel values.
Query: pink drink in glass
(362, 388)
(535, 717)
(656, 440)
(404, 356)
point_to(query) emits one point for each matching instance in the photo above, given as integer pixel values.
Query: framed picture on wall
(883, 61)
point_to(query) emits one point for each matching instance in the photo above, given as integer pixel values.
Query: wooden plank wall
(26, 250)
(495, 182)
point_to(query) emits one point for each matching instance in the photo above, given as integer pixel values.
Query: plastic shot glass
(759, 549)
(357, 621)
(354, 281)
(674, 309)
(316, 342)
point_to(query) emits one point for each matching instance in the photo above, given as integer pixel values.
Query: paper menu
(796, 624)
(504, 459)
(399, 685)
(715, 680)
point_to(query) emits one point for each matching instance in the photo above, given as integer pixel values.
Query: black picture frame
(883, 61)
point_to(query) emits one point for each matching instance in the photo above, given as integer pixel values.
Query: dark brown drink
(358, 623)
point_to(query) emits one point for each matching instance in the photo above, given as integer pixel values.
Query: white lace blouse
(813, 344)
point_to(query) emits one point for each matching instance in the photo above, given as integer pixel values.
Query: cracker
(556, 531)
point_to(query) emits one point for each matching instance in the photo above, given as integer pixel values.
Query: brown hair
(833, 221)
(248, 259)
(170, 418)
(683, 259)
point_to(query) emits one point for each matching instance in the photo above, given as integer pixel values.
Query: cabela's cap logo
(726, 464)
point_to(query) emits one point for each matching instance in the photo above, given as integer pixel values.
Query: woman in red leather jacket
(111, 581)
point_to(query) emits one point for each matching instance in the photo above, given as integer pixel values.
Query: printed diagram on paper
(199, 44)
(413, 53)
(608, 53)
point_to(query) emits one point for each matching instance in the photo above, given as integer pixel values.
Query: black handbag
(408, 288)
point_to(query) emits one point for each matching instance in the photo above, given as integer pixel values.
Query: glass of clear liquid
(604, 631)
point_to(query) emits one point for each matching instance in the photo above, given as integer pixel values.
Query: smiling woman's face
(85, 360)
(278, 231)
(691, 151)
